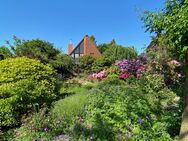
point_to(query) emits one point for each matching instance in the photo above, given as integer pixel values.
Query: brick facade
(90, 48)
(85, 47)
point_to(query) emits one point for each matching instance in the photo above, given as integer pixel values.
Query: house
(85, 47)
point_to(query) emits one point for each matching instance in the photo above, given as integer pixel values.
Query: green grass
(72, 105)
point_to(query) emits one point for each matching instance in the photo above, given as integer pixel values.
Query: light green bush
(113, 70)
(23, 81)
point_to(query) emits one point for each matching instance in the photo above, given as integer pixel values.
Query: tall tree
(171, 26)
(43, 51)
(92, 37)
(5, 52)
(36, 48)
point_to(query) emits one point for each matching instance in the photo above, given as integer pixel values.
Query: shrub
(85, 63)
(113, 80)
(101, 63)
(23, 82)
(152, 82)
(99, 76)
(133, 67)
(113, 70)
(64, 64)
(117, 112)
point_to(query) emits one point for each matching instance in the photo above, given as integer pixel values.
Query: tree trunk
(184, 124)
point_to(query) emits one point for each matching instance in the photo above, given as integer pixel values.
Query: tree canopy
(171, 25)
(45, 52)
(5, 52)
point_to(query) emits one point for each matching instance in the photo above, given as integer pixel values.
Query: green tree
(5, 52)
(112, 52)
(36, 48)
(102, 47)
(118, 52)
(43, 51)
(92, 37)
(171, 26)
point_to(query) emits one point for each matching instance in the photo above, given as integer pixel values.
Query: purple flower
(18, 133)
(129, 134)
(140, 121)
(132, 66)
(45, 129)
(81, 120)
(61, 136)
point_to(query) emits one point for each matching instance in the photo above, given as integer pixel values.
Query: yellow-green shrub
(23, 81)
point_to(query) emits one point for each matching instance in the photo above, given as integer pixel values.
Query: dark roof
(78, 44)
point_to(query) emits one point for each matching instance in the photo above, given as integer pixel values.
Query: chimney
(70, 48)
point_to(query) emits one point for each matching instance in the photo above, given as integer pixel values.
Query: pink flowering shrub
(175, 63)
(99, 76)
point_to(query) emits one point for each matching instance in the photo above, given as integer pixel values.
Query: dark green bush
(100, 64)
(64, 64)
(86, 62)
(5, 53)
(23, 82)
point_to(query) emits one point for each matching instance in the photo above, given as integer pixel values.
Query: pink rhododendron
(175, 62)
(100, 76)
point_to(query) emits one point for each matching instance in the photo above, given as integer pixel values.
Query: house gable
(85, 47)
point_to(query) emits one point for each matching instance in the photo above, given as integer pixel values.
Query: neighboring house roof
(85, 47)
(77, 46)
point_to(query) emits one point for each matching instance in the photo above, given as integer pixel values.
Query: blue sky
(59, 21)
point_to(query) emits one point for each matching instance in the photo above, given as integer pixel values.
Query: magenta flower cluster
(131, 67)
(99, 76)
(124, 76)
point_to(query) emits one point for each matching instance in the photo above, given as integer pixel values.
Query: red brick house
(85, 47)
